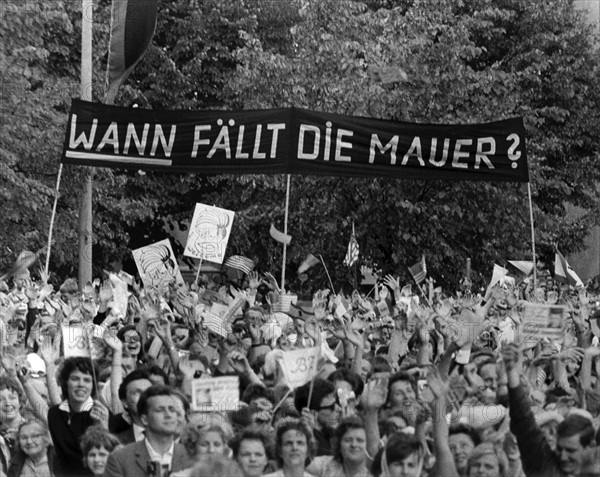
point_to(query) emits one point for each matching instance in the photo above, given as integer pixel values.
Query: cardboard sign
(216, 394)
(157, 265)
(209, 233)
(75, 341)
(300, 366)
(541, 321)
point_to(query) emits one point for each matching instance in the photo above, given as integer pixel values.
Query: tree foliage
(465, 62)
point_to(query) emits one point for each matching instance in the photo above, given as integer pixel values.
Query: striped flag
(419, 271)
(308, 263)
(132, 26)
(241, 263)
(564, 273)
(352, 252)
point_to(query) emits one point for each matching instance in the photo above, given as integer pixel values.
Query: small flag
(564, 273)
(308, 263)
(497, 274)
(419, 271)
(132, 27)
(279, 236)
(352, 252)
(241, 263)
(523, 266)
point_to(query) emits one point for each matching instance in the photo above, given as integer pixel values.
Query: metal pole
(285, 231)
(85, 204)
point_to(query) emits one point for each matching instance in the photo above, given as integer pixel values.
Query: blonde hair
(488, 448)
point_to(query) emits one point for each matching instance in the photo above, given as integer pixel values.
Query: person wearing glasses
(34, 454)
(322, 414)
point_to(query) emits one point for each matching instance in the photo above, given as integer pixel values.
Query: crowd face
(294, 449)
(163, 415)
(328, 415)
(549, 431)
(79, 387)
(9, 405)
(33, 440)
(132, 342)
(353, 446)
(461, 446)
(489, 374)
(486, 465)
(211, 442)
(252, 457)
(96, 460)
(409, 467)
(132, 395)
(401, 392)
(569, 453)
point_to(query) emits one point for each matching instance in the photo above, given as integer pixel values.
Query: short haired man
(574, 455)
(127, 426)
(159, 412)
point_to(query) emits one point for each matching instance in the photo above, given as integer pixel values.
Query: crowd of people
(408, 382)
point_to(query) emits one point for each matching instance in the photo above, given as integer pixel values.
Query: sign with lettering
(216, 394)
(300, 366)
(292, 140)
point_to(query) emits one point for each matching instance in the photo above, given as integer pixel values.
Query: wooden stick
(327, 272)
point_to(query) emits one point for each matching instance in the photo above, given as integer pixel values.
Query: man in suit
(158, 453)
(127, 425)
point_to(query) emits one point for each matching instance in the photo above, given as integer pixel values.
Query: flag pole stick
(85, 201)
(285, 231)
(198, 272)
(52, 217)
(327, 272)
(532, 235)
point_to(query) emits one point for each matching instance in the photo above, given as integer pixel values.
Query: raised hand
(99, 413)
(238, 361)
(49, 350)
(439, 385)
(110, 338)
(375, 394)
(253, 280)
(392, 283)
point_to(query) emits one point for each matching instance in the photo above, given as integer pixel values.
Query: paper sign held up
(300, 366)
(216, 394)
(75, 341)
(541, 321)
(157, 265)
(209, 233)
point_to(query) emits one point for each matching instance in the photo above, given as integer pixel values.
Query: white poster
(157, 265)
(300, 366)
(541, 321)
(216, 394)
(209, 233)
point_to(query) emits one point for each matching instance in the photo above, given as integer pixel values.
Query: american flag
(419, 271)
(241, 263)
(352, 253)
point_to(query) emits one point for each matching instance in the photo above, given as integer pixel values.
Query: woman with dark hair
(402, 456)
(132, 342)
(252, 451)
(34, 453)
(69, 420)
(294, 449)
(96, 444)
(350, 457)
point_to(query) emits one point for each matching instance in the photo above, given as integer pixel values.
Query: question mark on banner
(513, 154)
